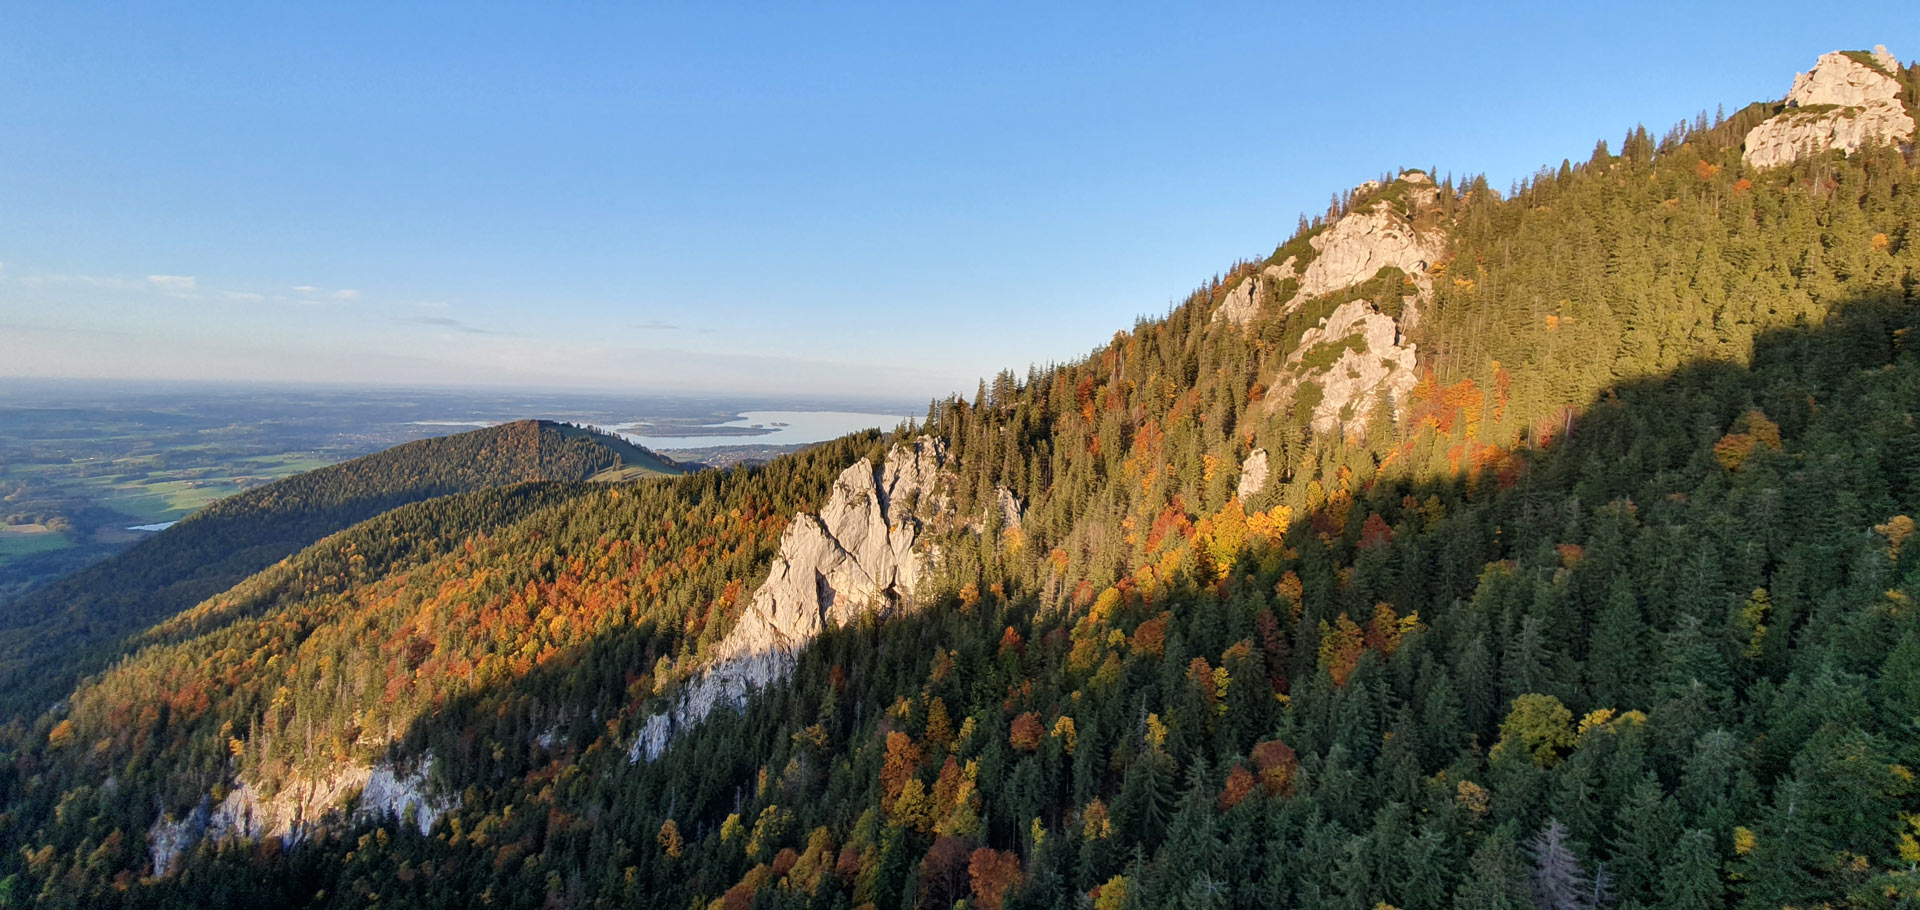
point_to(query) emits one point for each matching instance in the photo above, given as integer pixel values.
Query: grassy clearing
(173, 494)
(278, 466)
(23, 540)
(631, 456)
(167, 500)
(622, 474)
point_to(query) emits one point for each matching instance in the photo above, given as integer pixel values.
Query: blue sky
(791, 199)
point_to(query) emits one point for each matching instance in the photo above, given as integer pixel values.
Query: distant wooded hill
(72, 626)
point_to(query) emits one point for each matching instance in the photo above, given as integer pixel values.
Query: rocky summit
(1848, 100)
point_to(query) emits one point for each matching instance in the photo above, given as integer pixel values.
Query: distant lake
(782, 428)
(161, 526)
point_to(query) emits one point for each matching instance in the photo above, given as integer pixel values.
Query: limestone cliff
(1013, 512)
(294, 812)
(1373, 236)
(1844, 103)
(1373, 365)
(855, 557)
(1242, 303)
(1383, 230)
(1357, 358)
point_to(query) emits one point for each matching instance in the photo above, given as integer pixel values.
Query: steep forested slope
(51, 636)
(357, 640)
(1608, 599)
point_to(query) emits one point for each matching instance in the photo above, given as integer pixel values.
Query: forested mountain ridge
(1609, 605)
(52, 635)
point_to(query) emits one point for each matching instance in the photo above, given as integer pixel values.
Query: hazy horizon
(171, 387)
(725, 200)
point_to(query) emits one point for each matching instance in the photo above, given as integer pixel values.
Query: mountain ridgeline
(1548, 548)
(75, 625)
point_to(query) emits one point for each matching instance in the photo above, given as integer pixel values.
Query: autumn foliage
(902, 760)
(993, 873)
(1027, 732)
(1277, 762)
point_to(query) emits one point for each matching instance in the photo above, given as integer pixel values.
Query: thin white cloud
(311, 293)
(94, 281)
(189, 289)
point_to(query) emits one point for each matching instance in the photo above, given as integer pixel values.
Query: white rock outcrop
(1842, 103)
(1390, 226)
(297, 810)
(1380, 368)
(1013, 512)
(1371, 238)
(1374, 235)
(167, 840)
(1253, 475)
(855, 557)
(1243, 302)
(403, 797)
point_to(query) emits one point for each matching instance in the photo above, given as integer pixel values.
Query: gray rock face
(1243, 302)
(856, 557)
(1012, 511)
(167, 840)
(300, 808)
(1367, 240)
(247, 813)
(1381, 369)
(1841, 104)
(403, 797)
(1253, 475)
(1354, 249)
(1375, 362)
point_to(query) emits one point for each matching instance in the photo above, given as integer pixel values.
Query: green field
(94, 477)
(169, 495)
(167, 500)
(25, 540)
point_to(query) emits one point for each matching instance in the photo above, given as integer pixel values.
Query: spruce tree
(1691, 879)
(1497, 878)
